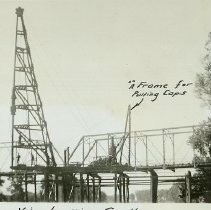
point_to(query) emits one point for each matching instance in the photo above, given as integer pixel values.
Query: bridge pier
(99, 191)
(46, 186)
(120, 188)
(82, 187)
(26, 187)
(115, 187)
(60, 189)
(93, 189)
(73, 188)
(88, 189)
(67, 184)
(121, 184)
(96, 189)
(153, 185)
(124, 193)
(35, 187)
(127, 187)
(56, 190)
(188, 187)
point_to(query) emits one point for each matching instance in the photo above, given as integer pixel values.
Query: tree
(143, 196)
(201, 142)
(201, 139)
(2, 196)
(174, 193)
(16, 189)
(132, 197)
(164, 195)
(203, 84)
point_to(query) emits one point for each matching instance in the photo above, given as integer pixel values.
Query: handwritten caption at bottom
(54, 208)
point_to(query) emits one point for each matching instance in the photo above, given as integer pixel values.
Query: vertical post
(124, 196)
(115, 188)
(147, 152)
(164, 156)
(26, 188)
(36, 156)
(68, 154)
(65, 157)
(35, 188)
(64, 179)
(154, 185)
(100, 193)
(173, 149)
(13, 120)
(81, 187)
(129, 147)
(46, 182)
(88, 191)
(93, 189)
(96, 154)
(188, 187)
(74, 186)
(57, 187)
(120, 188)
(135, 136)
(60, 189)
(128, 192)
(83, 153)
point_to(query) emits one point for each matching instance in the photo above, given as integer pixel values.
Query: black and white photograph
(105, 104)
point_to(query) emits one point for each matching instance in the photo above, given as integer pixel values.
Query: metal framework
(147, 148)
(31, 144)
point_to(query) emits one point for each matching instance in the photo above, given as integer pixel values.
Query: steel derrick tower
(31, 144)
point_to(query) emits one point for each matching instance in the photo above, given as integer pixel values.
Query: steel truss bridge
(157, 148)
(117, 160)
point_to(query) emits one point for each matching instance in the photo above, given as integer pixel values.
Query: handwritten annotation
(149, 91)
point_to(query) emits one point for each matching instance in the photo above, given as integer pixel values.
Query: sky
(86, 52)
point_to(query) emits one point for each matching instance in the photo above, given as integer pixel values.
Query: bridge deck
(99, 169)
